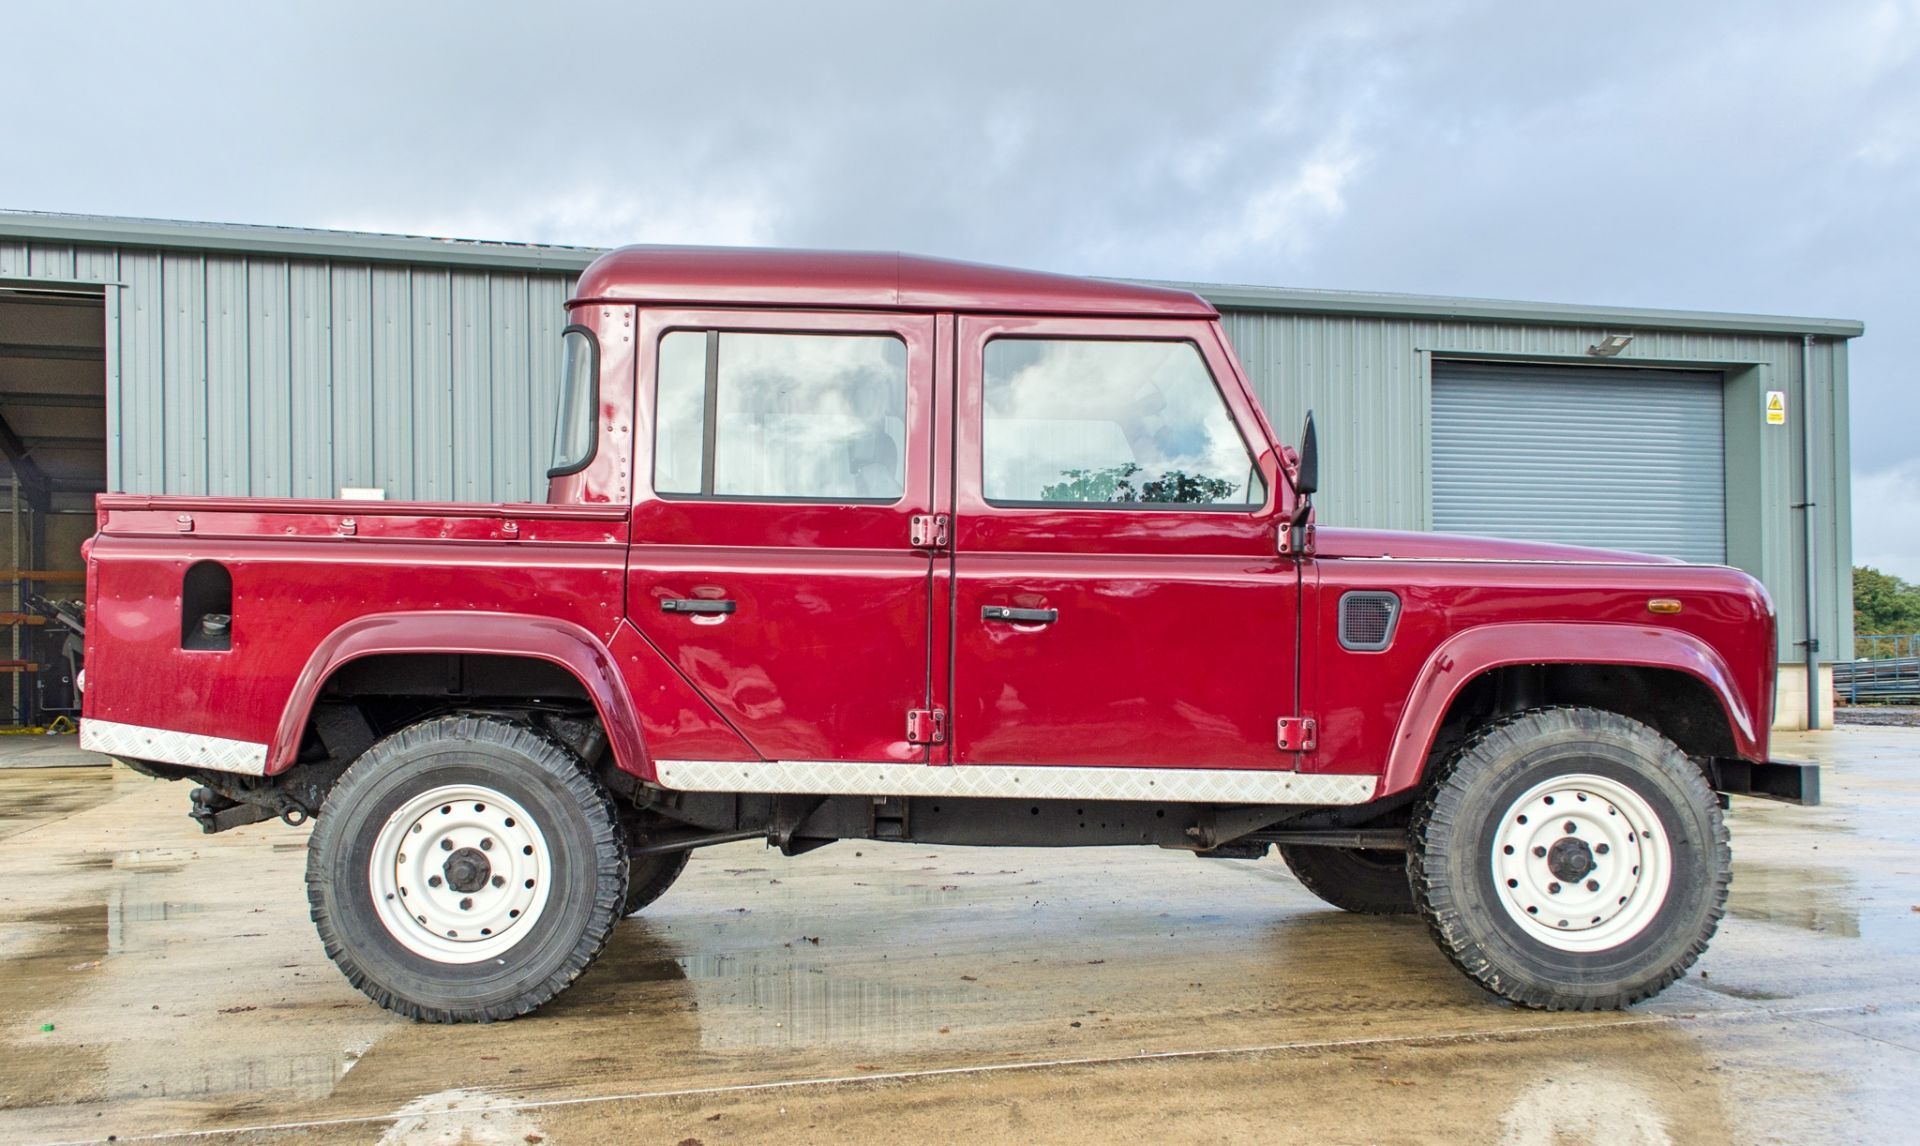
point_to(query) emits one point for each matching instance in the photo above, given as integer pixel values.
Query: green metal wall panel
(1369, 380)
(429, 369)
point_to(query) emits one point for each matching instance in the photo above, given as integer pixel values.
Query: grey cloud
(1715, 156)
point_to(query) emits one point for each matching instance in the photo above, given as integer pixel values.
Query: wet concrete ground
(157, 982)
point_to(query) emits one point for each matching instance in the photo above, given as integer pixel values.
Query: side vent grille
(1367, 619)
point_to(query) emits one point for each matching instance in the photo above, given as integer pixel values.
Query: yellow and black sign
(1776, 407)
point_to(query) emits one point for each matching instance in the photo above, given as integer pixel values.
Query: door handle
(1019, 616)
(694, 605)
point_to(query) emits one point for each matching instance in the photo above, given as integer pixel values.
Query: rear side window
(1117, 424)
(781, 417)
(573, 436)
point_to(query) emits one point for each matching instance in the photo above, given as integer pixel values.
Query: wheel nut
(486, 845)
(499, 881)
(1593, 885)
(1601, 848)
(1540, 852)
(466, 905)
(433, 881)
(1553, 888)
(446, 845)
(1571, 829)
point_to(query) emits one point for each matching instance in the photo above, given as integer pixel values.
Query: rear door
(772, 562)
(1119, 598)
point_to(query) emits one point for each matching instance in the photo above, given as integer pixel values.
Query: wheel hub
(467, 870)
(459, 873)
(1581, 862)
(1570, 859)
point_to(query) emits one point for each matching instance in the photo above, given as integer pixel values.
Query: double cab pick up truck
(863, 546)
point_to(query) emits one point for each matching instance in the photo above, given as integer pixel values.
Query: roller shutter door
(1619, 458)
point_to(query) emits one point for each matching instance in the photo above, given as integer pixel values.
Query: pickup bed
(848, 546)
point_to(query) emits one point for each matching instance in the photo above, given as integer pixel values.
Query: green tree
(1883, 603)
(1117, 484)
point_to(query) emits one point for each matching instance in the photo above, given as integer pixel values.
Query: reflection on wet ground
(154, 979)
(1820, 899)
(30, 797)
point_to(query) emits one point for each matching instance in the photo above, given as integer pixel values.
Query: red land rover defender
(865, 546)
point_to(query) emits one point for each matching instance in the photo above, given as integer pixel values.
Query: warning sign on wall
(1776, 407)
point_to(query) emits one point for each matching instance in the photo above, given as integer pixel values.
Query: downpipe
(1807, 592)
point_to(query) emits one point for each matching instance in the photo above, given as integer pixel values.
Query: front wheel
(465, 869)
(1570, 859)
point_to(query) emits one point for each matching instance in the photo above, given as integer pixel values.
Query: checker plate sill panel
(165, 746)
(998, 781)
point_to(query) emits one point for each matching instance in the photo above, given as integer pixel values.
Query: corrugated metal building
(190, 358)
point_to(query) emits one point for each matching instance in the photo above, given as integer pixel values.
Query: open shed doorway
(53, 460)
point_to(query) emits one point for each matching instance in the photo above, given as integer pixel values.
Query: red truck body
(1171, 653)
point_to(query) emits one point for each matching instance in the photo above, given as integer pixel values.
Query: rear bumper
(1788, 781)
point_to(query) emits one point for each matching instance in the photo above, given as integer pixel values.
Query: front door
(1118, 595)
(772, 562)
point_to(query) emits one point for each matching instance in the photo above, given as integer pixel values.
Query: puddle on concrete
(1818, 899)
(57, 948)
(35, 796)
(1735, 991)
(753, 1000)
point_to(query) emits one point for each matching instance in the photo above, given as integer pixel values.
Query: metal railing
(1887, 671)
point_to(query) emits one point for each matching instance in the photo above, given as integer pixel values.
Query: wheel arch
(1671, 680)
(547, 640)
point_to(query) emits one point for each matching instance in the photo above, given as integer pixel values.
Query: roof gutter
(1374, 304)
(242, 238)
(355, 246)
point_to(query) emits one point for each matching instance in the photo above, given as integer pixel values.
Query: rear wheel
(648, 878)
(1363, 881)
(1570, 859)
(465, 869)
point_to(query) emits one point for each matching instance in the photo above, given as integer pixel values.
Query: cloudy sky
(1737, 156)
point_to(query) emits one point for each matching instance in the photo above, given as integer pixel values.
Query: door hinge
(1296, 541)
(927, 531)
(1297, 734)
(926, 726)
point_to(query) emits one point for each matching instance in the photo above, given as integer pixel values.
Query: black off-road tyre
(1365, 882)
(648, 878)
(563, 831)
(1485, 798)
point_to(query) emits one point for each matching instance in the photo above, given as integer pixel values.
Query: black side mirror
(1306, 475)
(1307, 478)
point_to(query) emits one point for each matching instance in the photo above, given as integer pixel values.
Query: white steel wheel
(460, 873)
(1569, 858)
(466, 869)
(1582, 862)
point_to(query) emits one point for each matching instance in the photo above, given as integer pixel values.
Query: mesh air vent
(1367, 620)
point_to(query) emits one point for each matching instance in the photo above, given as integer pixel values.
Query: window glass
(781, 416)
(573, 436)
(1110, 423)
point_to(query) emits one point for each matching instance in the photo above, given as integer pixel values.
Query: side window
(573, 436)
(793, 417)
(1110, 423)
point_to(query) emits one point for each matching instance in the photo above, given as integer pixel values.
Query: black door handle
(1021, 616)
(694, 605)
